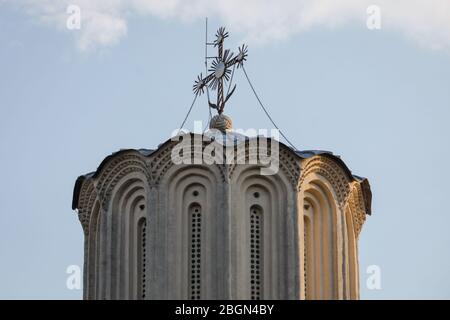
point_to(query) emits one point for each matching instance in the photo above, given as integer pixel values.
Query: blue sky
(378, 98)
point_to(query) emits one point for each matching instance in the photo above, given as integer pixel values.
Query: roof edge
(306, 154)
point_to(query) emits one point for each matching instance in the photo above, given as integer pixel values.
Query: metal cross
(220, 71)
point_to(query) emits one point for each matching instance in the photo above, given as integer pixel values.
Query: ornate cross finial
(220, 71)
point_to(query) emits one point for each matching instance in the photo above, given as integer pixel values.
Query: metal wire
(265, 110)
(187, 115)
(209, 120)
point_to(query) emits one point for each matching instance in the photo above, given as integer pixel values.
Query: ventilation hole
(195, 247)
(195, 193)
(142, 206)
(143, 255)
(256, 194)
(255, 253)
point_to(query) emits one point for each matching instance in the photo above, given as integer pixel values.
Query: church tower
(221, 215)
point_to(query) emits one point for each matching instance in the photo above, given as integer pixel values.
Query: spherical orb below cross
(221, 122)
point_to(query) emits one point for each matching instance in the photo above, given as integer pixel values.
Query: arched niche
(182, 188)
(324, 232)
(275, 201)
(119, 264)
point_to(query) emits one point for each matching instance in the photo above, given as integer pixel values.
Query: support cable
(265, 110)
(187, 115)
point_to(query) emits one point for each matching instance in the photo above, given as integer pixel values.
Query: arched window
(195, 223)
(256, 253)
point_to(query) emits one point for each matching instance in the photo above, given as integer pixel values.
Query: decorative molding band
(331, 171)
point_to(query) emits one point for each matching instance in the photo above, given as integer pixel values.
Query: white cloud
(104, 22)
